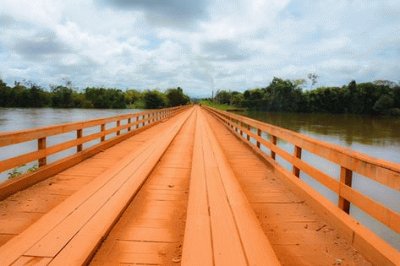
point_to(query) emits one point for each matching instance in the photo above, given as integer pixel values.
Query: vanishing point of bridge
(189, 185)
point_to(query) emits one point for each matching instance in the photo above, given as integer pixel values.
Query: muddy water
(375, 136)
(12, 119)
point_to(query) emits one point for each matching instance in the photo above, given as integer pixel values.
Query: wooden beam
(346, 177)
(42, 146)
(297, 154)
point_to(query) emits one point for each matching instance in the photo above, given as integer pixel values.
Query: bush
(154, 99)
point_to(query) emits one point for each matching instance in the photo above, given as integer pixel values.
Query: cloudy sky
(199, 45)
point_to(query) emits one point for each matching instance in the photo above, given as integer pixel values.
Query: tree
(131, 96)
(313, 77)
(383, 104)
(223, 97)
(62, 97)
(176, 97)
(105, 98)
(154, 99)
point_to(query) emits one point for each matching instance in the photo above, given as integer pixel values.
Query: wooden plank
(11, 186)
(258, 134)
(258, 250)
(78, 136)
(346, 194)
(297, 154)
(371, 246)
(384, 172)
(273, 142)
(318, 175)
(385, 215)
(51, 221)
(43, 152)
(345, 178)
(42, 160)
(46, 151)
(197, 243)
(15, 137)
(99, 225)
(28, 260)
(225, 237)
(102, 129)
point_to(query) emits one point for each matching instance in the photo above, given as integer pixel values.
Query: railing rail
(117, 124)
(349, 161)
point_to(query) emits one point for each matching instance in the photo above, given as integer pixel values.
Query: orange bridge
(189, 185)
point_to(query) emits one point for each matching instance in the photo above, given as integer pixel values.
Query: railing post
(297, 154)
(248, 136)
(129, 122)
(118, 124)
(78, 136)
(42, 146)
(137, 122)
(273, 141)
(102, 129)
(241, 131)
(346, 177)
(258, 134)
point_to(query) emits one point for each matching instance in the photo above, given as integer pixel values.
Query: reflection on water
(24, 118)
(375, 136)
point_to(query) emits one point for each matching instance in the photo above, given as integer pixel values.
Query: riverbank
(224, 107)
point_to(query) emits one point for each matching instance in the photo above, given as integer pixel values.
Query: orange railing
(383, 172)
(107, 131)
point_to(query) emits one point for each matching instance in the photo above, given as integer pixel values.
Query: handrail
(133, 122)
(381, 171)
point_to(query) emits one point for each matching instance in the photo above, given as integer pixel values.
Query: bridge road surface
(151, 230)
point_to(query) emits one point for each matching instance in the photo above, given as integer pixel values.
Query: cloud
(39, 45)
(177, 13)
(198, 45)
(225, 50)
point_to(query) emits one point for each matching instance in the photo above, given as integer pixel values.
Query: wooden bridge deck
(184, 191)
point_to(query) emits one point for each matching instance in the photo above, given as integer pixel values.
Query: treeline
(379, 97)
(65, 96)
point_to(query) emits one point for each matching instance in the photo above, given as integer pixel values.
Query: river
(376, 136)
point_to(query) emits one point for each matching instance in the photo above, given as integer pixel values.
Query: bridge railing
(97, 134)
(383, 172)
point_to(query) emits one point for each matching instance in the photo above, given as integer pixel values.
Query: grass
(219, 106)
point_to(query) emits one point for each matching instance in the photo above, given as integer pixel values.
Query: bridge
(187, 185)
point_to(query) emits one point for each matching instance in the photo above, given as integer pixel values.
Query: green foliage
(33, 168)
(18, 171)
(14, 173)
(154, 99)
(27, 94)
(383, 104)
(132, 96)
(215, 105)
(62, 97)
(176, 97)
(105, 98)
(379, 97)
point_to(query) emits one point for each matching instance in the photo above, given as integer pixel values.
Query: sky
(199, 45)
